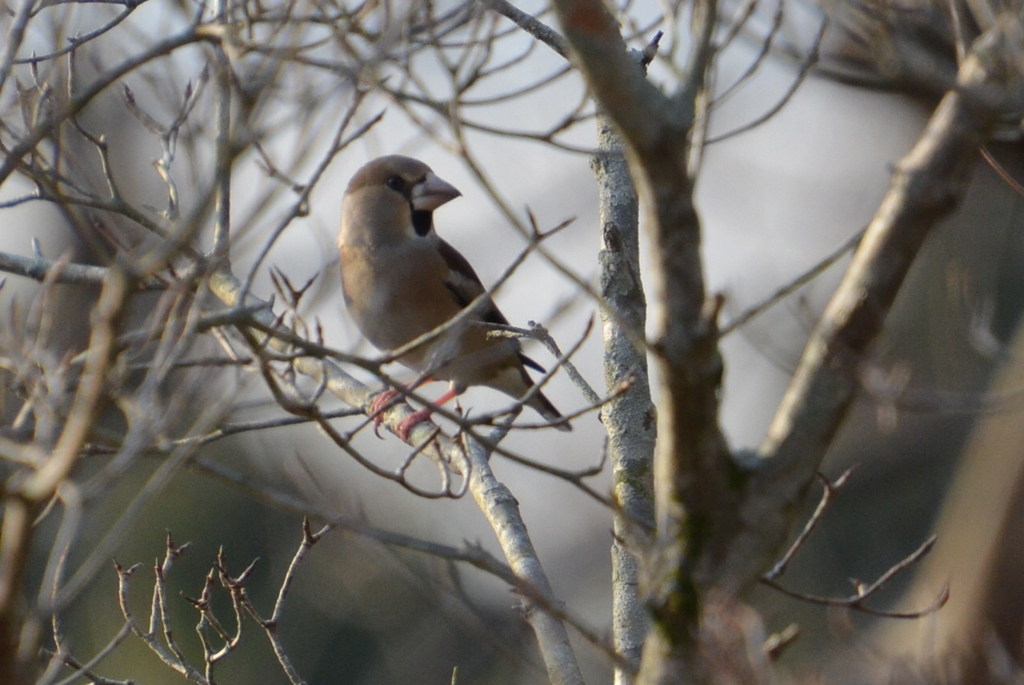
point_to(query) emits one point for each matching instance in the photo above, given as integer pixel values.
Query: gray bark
(629, 419)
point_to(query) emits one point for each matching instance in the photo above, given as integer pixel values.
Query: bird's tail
(542, 405)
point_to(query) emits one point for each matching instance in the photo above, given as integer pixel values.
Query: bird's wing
(465, 285)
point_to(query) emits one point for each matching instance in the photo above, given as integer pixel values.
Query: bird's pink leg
(420, 415)
(384, 399)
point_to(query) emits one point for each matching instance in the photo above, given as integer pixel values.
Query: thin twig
(805, 70)
(794, 285)
(828, 490)
(864, 592)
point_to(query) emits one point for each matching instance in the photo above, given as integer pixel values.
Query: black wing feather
(465, 284)
(532, 364)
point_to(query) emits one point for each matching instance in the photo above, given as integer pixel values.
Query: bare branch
(531, 25)
(928, 184)
(83, 274)
(863, 592)
(828, 491)
(805, 69)
(630, 419)
(29, 142)
(803, 279)
(502, 512)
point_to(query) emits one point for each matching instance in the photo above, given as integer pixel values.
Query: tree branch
(502, 512)
(928, 184)
(693, 471)
(630, 418)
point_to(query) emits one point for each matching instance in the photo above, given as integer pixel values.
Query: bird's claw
(406, 425)
(377, 407)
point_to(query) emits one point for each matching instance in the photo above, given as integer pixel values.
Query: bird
(400, 280)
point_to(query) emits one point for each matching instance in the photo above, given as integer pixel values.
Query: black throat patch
(422, 221)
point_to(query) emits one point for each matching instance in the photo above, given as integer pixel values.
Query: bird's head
(393, 193)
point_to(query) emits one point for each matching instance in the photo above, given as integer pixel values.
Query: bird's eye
(396, 183)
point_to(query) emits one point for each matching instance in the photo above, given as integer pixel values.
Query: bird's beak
(431, 193)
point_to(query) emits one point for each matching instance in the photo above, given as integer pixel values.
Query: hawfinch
(400, 280)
